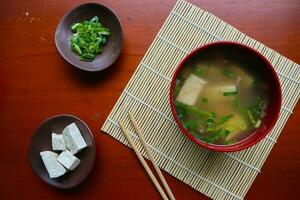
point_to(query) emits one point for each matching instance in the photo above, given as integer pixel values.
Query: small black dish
(41, 141)
(108, 18)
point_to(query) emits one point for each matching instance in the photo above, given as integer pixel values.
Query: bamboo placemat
(146, 96)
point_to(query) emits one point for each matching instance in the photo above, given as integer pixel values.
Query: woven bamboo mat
(217, 175)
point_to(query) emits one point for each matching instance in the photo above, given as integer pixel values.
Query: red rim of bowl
(272, 113)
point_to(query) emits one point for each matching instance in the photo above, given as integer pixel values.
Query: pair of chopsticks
(142, 160)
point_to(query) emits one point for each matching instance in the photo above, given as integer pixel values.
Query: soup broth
(220, 98)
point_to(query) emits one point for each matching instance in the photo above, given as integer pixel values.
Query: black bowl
(108, 19)
(41, 141)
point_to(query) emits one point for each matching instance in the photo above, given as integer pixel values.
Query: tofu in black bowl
(62, 151)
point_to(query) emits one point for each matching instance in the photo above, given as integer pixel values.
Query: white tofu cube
(73, 138)
(54, 168)
(68, 160)
(191, 90)
(58, 142)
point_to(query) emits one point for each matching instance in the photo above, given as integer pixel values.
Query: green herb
(87, 57)
(95, 19)
(251, 117)
(218, 134)
(213, 114)
(200, 113)
(228, 73)
(233, 93)
(225, 119)
(204, 100)
(186, 110)
(203, 138)
(76, 49)
(201, 69)
(191, 125)
(225, 132)
(248, 113)
(88, 38)
(75, 26)
(210, 123)
(242, 109)
(200, 121)
(255, 107)
(258, 123)
(254, 112)
(199, 72)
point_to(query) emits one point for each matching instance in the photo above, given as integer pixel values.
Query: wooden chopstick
(157, 169)
(142, 160)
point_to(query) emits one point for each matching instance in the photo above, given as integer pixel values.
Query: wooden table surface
(37, 83)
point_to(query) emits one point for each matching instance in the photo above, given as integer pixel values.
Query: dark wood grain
(37, 83)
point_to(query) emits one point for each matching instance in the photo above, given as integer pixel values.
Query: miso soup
(221, 98)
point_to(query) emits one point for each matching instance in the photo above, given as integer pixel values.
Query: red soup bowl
(258, 63)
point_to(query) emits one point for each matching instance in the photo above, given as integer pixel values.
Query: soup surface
(220, 98)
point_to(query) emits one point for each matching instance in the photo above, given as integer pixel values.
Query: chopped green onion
(224, 119)
(191, 125)
(204, 100)
(88, 38)
(105, 33)
(257, 124)
(209, 123)
(213, 114)
(251, 117)
(199, 71)
(87, 57)
(226, 132)
(220, 133)
(228, 73)
(94, 19)
(233, 93)
(75, 26)
(76, 49)
(203, 138)
(201, 112)
(202, 122)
